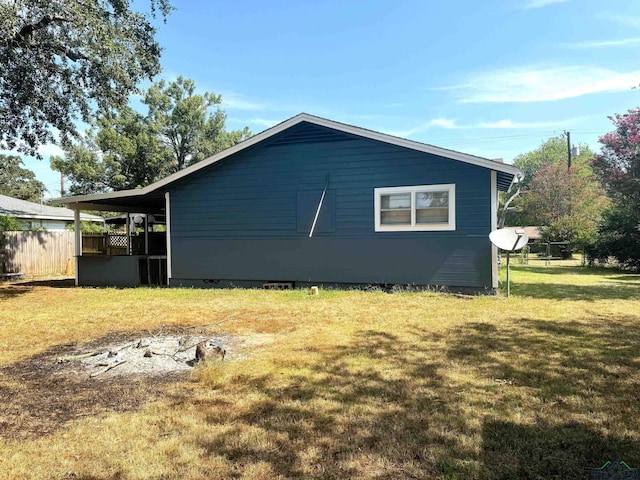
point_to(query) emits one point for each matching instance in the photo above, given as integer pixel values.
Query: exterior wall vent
(278, 286)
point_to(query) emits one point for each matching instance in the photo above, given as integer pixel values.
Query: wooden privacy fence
(37, 253)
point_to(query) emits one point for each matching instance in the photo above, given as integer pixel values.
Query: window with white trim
(419, 208)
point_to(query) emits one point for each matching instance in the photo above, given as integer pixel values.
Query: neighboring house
(313, 201)
(41, 217)
(534, 233)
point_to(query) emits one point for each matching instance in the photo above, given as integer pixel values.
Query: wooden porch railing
(116, 244)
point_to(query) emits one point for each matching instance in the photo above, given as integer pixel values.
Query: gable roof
(24, 209)
(509, 172)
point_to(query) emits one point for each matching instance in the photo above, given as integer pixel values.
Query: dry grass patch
(358, 384)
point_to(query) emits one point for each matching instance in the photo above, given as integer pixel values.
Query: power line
(504, 138)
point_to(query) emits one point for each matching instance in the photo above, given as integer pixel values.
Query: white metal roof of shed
(30, 210)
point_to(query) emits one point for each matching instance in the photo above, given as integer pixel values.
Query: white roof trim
(28, 216)
(302, 117)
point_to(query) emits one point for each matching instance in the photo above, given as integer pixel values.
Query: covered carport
(139, 256)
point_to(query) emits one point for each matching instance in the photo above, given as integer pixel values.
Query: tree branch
(72, 55)
(505, 209)
(26, 32)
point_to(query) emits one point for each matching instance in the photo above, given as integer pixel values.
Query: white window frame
(450, 225)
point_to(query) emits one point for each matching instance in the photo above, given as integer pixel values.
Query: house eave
(358, 131)
(82, 201)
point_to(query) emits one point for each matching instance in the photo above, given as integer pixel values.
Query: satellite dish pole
(509, 240)
(519, 233)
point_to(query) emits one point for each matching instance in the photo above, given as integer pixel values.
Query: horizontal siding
(105, 271)
(233, 193)
(253, 195)
(457, 262)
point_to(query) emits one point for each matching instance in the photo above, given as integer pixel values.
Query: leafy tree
(552, 152)
(86, 227)
(131, 150)
(83, 161)
(68, 59)
(569, 206)
(122, 154)
(618, 237)
(179, 116)
(19, 182)
(618, 167)
(9, 223)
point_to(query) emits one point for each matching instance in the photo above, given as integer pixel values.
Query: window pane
(399, 200)
(432, 215)
(395, 217)
(432, 199)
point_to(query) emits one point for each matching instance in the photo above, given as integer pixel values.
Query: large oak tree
(65, 60)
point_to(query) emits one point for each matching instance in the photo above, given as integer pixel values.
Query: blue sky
(493, 78)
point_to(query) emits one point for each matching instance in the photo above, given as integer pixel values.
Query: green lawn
(543, 384)
(573, 283)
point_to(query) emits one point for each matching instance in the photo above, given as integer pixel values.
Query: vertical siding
(238, 219)
(38, 253)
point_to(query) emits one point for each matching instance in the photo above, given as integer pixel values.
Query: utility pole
(568, 134)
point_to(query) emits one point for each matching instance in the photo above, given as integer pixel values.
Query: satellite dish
(509, 239)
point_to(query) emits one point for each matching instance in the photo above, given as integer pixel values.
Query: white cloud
(506, 124)
(423, 127)
(509, 124)
(236, 101)
(625, 20)
(535, 84)
(263, 122)
(541, 3)
(443, 123)
(625, 42)
(504, 154)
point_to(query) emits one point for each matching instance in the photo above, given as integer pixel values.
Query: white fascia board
(98, 196)
(69, 218)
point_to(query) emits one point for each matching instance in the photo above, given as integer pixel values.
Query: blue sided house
(308, 201)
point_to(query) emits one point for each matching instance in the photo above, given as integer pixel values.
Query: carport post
(128, 234)
(146, 234)
(78, 239)
(167, 213)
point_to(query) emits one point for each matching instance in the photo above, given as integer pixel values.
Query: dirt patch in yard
(116, 373)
